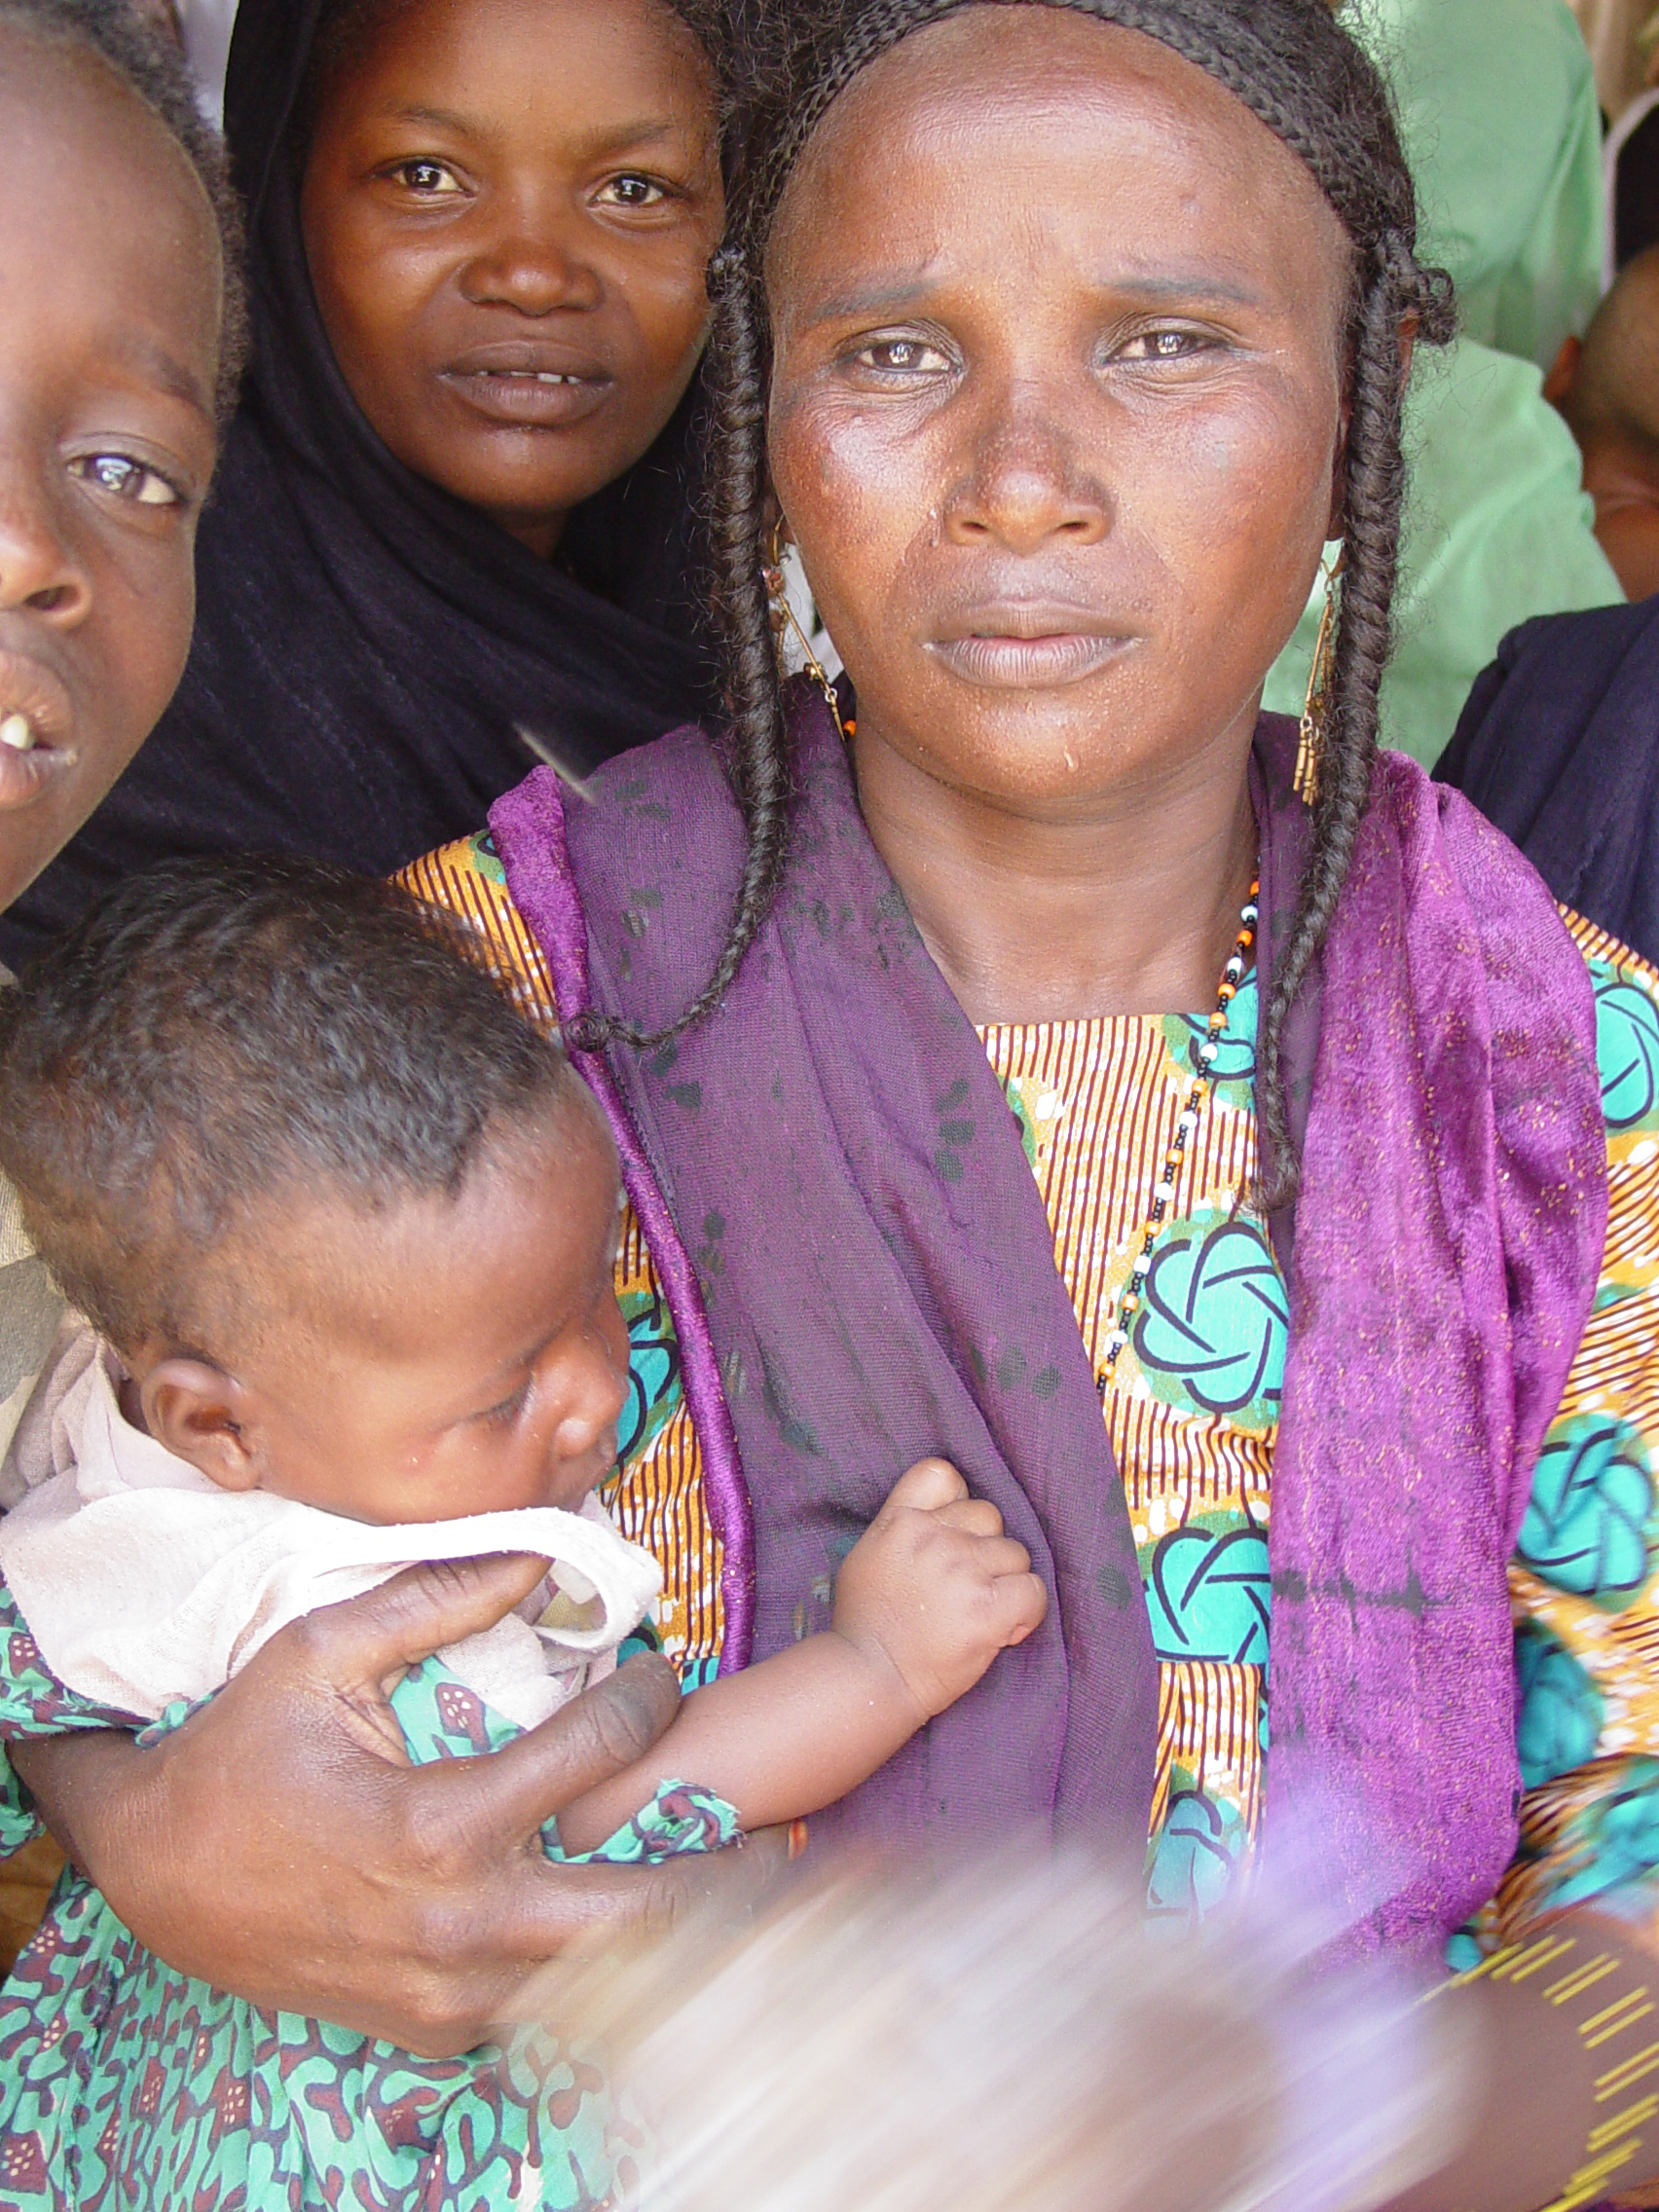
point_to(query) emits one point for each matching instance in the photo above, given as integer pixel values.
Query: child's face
(508, 208)
(110, 299)
(442, 1359)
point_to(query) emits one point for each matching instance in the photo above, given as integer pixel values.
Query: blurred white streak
(541, 749)
(1016, 2038)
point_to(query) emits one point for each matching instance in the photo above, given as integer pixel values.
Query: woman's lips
(36, 727)
(1020, 661)
(534, 398)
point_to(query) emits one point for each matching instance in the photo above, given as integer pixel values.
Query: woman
(1059, 337)
(455, 499)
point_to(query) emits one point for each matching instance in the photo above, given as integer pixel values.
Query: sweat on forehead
(1040, 96)
(217, 1037)
(1285, 60)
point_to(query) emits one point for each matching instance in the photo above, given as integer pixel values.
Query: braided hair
(1302, 75)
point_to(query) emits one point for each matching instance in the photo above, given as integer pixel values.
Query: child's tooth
(18, 732)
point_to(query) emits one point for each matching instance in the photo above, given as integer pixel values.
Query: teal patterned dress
(124, 2084)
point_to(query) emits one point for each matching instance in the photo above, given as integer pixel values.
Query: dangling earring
(782, 617)
(1311, 751)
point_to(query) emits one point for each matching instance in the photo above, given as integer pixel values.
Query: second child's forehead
(103, 222)
(1008, 124)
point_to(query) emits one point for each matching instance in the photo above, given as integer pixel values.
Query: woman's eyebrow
(611, 138)
(1195, 289)
(1205, 285)
(865, 300)
(440, 117)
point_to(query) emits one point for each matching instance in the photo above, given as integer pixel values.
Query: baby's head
(1608, 387)
(348, 1221)
(119, 350)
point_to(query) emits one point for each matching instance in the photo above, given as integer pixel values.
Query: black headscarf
(1559, 744)
(364, 641)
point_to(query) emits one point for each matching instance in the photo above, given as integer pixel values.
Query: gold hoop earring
(1311, 751)
(782, 618)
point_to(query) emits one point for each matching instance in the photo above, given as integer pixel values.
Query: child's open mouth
(36, 721)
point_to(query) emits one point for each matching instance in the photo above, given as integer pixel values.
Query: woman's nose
(1023, 486)
(39, 567)
(533, 270)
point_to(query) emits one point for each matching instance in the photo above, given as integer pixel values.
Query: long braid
(757, 754)
(1374, 490)
(1306, 81)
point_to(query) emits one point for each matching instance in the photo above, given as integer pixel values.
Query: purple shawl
(862, 1273)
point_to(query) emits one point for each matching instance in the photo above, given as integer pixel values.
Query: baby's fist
(937, 1586)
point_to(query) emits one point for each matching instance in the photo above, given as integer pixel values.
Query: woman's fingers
(561, 1912)
(361, 1643)
(505, 1799)
(269, 1845)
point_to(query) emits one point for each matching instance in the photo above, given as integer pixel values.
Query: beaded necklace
(1163, 1190)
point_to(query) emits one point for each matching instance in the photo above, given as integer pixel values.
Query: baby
(345, 1229)
(1606, 385)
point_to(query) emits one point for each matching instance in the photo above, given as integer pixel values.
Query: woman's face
(508, 206)
(1056, 405)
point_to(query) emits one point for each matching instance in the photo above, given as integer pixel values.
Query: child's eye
(632, 192)
(431, 179)
(125, 478)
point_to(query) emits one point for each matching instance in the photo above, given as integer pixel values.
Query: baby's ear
(198, 1412)
(1563, 371)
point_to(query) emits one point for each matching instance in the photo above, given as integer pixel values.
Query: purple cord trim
(529, 829)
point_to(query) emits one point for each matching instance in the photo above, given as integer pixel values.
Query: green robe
(1499, 113)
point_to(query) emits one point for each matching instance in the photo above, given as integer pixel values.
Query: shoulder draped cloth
(862, 1272)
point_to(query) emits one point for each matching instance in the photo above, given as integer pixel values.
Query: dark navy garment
(1558, 745)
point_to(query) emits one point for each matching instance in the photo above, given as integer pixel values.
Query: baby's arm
(927, 1597)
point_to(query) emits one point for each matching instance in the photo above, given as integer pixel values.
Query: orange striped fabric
(656, 1498)
(1097, 1102)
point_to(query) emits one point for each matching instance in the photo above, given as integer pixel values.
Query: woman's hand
(1564, 2111)
(269, 1846)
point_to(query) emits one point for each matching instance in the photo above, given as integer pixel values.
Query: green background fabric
(1497, 530)
(1497, 107)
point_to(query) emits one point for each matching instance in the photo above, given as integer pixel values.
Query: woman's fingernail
(797, 1838)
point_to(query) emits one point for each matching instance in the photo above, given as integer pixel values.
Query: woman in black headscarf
(455, 501)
